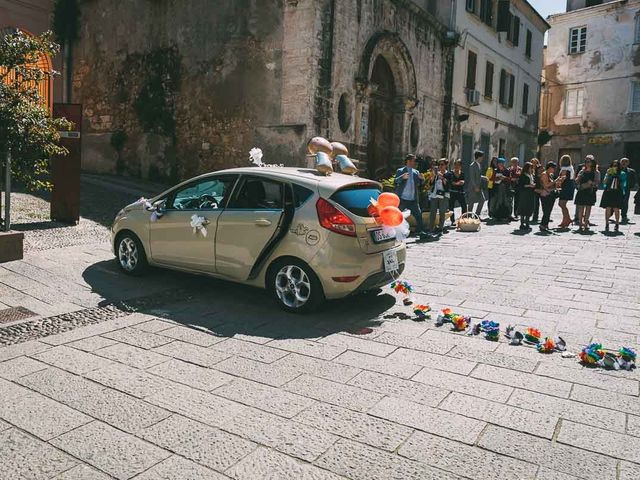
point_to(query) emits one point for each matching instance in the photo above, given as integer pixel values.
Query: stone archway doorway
(381, 119)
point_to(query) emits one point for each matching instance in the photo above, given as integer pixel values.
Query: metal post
(7, 193)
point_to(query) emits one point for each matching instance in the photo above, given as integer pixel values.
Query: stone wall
(173, 88)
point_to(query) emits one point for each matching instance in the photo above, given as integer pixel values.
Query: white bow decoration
(199, 225)
(255, 157)
(157, 211)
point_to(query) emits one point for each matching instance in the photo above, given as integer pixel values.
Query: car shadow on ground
(228, 309)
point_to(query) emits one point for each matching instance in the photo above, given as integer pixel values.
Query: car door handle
(263, 222)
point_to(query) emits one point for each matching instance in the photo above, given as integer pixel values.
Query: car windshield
(357, 198)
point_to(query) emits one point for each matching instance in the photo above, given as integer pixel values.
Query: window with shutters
(635, 97)
(486, 11)
(513, 33)
(472, 64)
(525, 99)
(471, 6)
(577, 40)
(637, 32)
(507, 86)
(528, 44)
(488, 81)
(574, 103)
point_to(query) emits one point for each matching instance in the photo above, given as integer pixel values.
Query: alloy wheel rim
(128, 254)
(293, 286)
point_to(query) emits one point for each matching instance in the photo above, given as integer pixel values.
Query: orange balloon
(391, 216)
(387, 199)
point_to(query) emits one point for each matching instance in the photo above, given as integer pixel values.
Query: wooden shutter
(488, 81)
(503, 87)
(516, 31)
(504, 16)
(528, 45)
(512, 85)
(472, 64)
(525, 99)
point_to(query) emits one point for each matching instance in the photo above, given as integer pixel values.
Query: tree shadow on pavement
(227, 309)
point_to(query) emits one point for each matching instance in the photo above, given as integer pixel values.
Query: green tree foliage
(26, 126)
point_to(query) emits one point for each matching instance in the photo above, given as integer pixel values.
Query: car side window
(206, 194)
(259, 194)
(301, 194)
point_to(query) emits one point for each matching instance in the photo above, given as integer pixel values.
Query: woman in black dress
(613, 197)
(526, 195)
(501, 199)
(456, 190)
(548, 187)
(568, 189)
(587, 184)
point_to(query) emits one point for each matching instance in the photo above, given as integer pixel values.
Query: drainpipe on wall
(447, 115)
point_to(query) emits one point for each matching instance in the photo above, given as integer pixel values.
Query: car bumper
(332, 263)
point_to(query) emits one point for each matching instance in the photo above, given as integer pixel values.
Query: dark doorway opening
(380, 147)
(467, 151)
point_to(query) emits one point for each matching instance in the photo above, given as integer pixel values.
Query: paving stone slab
(264, 397)
(355, 426)
(498, 358)
(538, 424)
(197, 404)
(400, 388)
(201, 443)
(191, 353)
(548, 474)
(155, 325)
(25, 457)
(592, 378)
(526, 381)
(19, 367)
(252, 351)
(407, 341)
(175, 467)
(360, 462)
(41, 416)
(82, 472)
(462, 384)
(625, 447)
(70, 359)
(132, 356)
(318, 368)
(90, 344)
(361, 345)
(583, 464)
(449, 340)
(193, 375)
(470, 462)
(285, 435)
(308, 347)
(606, 418)
(629, 471)
(191, 335)
(267, 464)
(438, 362)
(112, 451)
(428, 419)
(387, 365)
(347, 396)
(138, 338)
(22, 349)
(130, 380)
(274, 374)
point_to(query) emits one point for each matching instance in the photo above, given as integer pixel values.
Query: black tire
(130, 254)
(289, 280)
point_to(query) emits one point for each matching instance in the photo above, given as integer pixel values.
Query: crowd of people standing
(513, 192)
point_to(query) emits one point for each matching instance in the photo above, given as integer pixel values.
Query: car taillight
(333, 219)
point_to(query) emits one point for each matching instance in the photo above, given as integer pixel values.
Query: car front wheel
(130, 254)
(295, 286)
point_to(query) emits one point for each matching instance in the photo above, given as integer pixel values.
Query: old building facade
(591, 95)
(496, 82)
(172, 88)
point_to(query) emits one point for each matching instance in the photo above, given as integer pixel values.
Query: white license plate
(390, 258)
(380, 236)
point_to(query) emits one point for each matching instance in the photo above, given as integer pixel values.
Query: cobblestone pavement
(166, 377)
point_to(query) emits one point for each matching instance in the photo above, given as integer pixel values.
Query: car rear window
(357, 198)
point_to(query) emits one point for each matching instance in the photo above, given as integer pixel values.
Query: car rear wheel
(295, 286)
(130, 254)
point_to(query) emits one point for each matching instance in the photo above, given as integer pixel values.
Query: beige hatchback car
(303, 236)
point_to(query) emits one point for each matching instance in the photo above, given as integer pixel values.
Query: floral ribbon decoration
(199, 225)
(595, 354)
(157, 211)
(255, 157)
(422, 312)
(491, 330)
